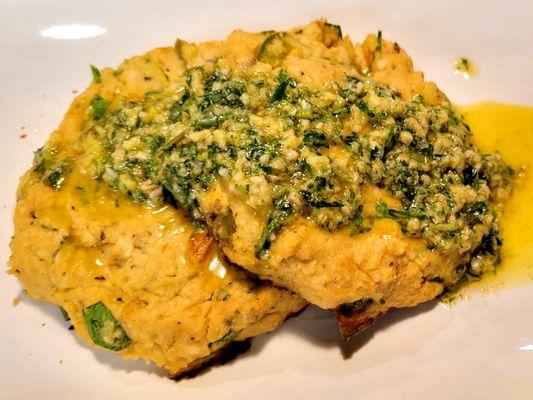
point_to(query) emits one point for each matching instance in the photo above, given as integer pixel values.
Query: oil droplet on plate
(465, 67)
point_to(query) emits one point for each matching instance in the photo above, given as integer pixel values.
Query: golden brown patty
(364, 274)
(168, 293)
(126, 115)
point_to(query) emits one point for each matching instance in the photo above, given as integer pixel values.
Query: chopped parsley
(380, 40)
(384, 211)
(99, 106)
(228, 337)
(281, 211)
(104, 329)
(315, 139)
(97, 76)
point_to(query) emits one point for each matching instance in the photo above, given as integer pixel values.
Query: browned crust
(352, 323)
(199, 245)
(220, 357)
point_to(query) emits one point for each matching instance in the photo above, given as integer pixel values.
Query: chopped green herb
(332, 34)
(274, 49)
(104, 329)
(210, 122)
(281, 211)
(42, 160)
(315, 139)
(384, 211)
(392, 139)
(348, 309)
(97, 76)
(313, 200)
(279, 92)
(476, 211)
(227, 338)
(230, 96)
(56, 176)
(380, 40)
(99, 106)
(176, 107)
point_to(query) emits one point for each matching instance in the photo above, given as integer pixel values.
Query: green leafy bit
(392, 139)
(383, 211)
(315, 139)
(281, 211)
(313, 200)
(56, 176)
(97, 76)
(42, 160)
(476, 211)
(380, 40)
(332, 34)
(104, 329)
(228, 337)
(210, 122)
(52, 172)
(222, 294)
(229, 95)
(280, 90)
(176, 107)
(348, 309)
(274, 49)
(359, 222)
(99, 106)
(181, 192)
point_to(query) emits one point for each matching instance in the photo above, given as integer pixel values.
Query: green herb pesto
(53, 172)
(280, 144)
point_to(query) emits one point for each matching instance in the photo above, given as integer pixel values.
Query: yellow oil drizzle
(96, 201)
(509, 129)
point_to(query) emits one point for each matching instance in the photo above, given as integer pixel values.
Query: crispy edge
(222, 356)
(355, 322)
(199, 245)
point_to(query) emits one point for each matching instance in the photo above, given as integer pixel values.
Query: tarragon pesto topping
(300, 151)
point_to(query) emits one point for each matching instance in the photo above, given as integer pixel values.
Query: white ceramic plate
(481, 348)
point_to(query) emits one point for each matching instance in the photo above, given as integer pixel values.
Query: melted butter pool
(508, 129)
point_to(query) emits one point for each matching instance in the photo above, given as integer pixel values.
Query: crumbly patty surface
(138, 280)
(332, 169)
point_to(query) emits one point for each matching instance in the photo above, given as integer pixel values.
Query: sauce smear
(509, 129)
